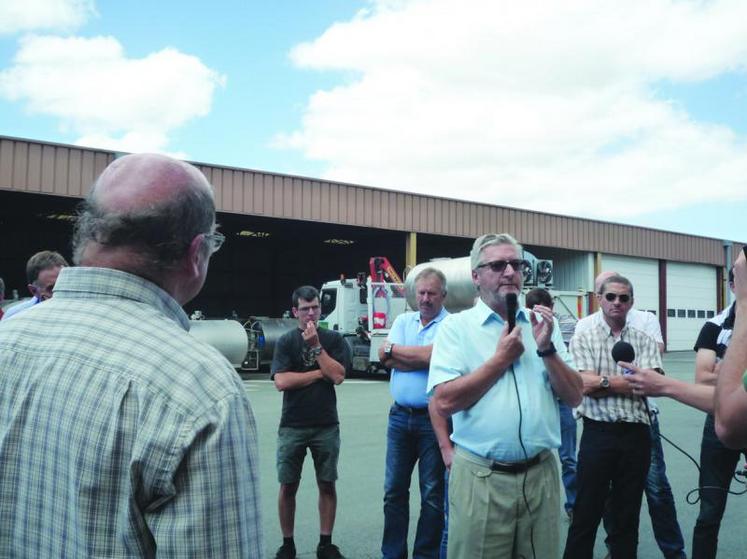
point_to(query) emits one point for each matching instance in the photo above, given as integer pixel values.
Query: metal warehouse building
(284, 231)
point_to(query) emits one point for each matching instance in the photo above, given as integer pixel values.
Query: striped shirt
(120, 434)
(592, 352)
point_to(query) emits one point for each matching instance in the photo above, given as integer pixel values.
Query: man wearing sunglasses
(500, 388)
(122, 435)
(615, 448)
(658, 491)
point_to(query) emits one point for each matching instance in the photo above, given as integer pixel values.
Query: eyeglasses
(307, 310)
(499, 266)
(215, 240)
(623, 298)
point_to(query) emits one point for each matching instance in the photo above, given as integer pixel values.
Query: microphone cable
(693, 500)
(526, 472)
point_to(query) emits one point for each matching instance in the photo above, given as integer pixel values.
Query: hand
(447, 454)
(644, 382)
(542, 329)
(310, 335)
(510, 346)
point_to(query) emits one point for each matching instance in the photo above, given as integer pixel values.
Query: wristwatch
(388, 350)
(604, 382)
(548, 352)
(316, 351)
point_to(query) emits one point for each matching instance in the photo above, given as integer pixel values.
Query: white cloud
(107, 99)
(544, 105)
(33, 15)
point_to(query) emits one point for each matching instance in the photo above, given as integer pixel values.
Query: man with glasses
(501, 389)
(658, 491)
(42, 270)
(121, 435)
(615, 448)
(307, 364)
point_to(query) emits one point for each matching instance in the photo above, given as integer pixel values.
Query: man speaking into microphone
(500, 385)
(615, 448)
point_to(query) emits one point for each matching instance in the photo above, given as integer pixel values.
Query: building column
(411, 250)
(663, 300)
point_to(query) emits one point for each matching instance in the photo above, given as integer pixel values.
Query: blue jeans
(410, 439)
(717, 465)
(567, 452)
(660, 502)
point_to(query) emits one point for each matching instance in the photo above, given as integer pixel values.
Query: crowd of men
(121, 435)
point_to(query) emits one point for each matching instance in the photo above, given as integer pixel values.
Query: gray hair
(488, 240)
(2, 289)
(617, 278)
(44, 260)
(161, 233)
(430, 271)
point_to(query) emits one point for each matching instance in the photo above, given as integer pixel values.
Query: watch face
(604, 382)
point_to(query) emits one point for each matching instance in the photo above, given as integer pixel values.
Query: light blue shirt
(20, 307)
(490, 427)
(408, 387)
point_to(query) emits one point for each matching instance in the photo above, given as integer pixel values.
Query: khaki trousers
(488, 516)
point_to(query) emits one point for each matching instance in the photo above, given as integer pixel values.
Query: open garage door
(691, 300)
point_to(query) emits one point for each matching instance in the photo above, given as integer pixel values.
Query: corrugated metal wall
(68, 171)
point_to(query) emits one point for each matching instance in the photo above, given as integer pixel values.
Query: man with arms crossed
(410, 436)
(615, 448)
(500, 388)
(307, 364)
(121, 435)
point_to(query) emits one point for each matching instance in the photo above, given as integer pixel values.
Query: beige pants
(488, 516)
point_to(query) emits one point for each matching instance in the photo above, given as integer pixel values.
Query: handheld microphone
(512, 305)
(623, 351)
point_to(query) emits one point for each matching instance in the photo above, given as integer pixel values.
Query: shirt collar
(485, 313)
(602, 323)
(439, 317)
(97, 283)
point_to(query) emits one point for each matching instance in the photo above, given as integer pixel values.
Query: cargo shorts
(324, 444)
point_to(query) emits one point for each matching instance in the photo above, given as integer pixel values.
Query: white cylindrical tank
(227, 336)
(461, 292)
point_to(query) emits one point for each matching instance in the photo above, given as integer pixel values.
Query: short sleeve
(446, 360)
(338, 350)
(708, 337)
(397, 332)
(281, 358)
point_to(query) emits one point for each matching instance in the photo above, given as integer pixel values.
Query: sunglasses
(624, 298)
(498, 266)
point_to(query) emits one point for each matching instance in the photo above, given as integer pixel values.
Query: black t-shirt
(716, 333)
(314, 405)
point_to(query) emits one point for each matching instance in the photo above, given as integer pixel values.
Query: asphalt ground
(363, 407)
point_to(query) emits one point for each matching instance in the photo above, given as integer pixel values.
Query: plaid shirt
(592, 351)
(120, 434)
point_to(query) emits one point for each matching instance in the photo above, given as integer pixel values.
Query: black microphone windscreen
(512, 305)
(623, 351)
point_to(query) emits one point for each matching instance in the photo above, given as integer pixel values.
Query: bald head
(142, 181)
(148, 215)
(600, 280)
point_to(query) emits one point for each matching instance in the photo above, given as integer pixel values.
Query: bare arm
(591, 385)
(648, 382)
(407, 357)
(459, 394)
(731, 397)
(331, 370)
(705, 367)
(293, 381)
(441, 429)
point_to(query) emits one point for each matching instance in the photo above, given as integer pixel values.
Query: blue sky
(629, 112)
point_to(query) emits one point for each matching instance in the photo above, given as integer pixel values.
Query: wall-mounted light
(340, 242)
(255, 234)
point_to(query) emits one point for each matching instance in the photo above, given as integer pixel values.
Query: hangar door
(691, 300)
(643, 273)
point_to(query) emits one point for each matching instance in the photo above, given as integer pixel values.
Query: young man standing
(306, 366)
